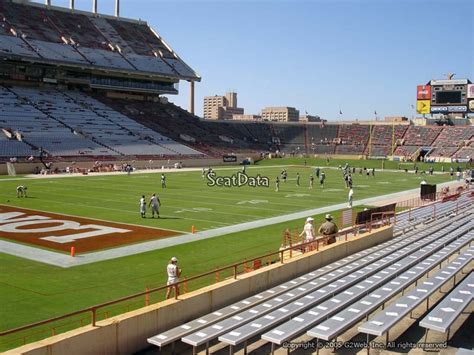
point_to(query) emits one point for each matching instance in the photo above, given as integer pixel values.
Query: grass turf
(31, 291)
(189, 201)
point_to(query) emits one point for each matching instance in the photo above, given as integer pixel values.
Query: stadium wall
(28, 168)
(127, 333)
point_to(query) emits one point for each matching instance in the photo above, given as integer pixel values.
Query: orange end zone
(61, 232)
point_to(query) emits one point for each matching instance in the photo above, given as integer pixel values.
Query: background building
(221, 107)
(280, 114)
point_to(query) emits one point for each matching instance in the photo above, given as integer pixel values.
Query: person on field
(311, 182)
(297, 179)
(143, 206)
(163, 181)
(317, 171)
(155, 203)
(174, 272)
(329, 228)
(321, 179)
(349, 181)
(277, 184)
(21, 191)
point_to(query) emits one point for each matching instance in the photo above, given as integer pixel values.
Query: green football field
(31, 291)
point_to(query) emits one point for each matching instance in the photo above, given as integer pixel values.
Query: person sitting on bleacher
(329, 228)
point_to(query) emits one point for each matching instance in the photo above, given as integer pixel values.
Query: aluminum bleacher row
(385, 320)
(70, 123)
(342, 321)
(442, 317)
(239, 322)
(406, 220)
(342, 292)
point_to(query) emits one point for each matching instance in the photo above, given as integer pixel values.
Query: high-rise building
(231, 99)
(280, 114)
(221, 107)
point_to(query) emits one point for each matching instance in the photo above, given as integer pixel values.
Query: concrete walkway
(65, 261)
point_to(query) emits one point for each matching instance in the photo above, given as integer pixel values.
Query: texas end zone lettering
(20, 222)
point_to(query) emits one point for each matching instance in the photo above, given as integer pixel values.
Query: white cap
(328, 216)
(309, 219)
(174, 259)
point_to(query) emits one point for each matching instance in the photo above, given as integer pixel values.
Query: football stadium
(131, 225)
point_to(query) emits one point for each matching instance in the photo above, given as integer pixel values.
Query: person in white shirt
(351, 194)
(173, 276)
(308, 231)
(154, 204)
(142, 206)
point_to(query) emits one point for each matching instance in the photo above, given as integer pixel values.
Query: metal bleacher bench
(296, 326)
(406, 220)
(244, 325)
(351, 315)
(388, 318)
(442, 317)
(329, 298)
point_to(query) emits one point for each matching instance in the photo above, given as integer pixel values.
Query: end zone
(60, 232)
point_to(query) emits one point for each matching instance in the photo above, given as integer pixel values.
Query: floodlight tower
(117, 8)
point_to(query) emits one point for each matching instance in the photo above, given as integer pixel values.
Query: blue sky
(318, 56)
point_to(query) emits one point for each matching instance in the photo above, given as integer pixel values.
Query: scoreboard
(444, 96)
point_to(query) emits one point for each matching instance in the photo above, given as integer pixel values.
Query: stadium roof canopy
(49, 36)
